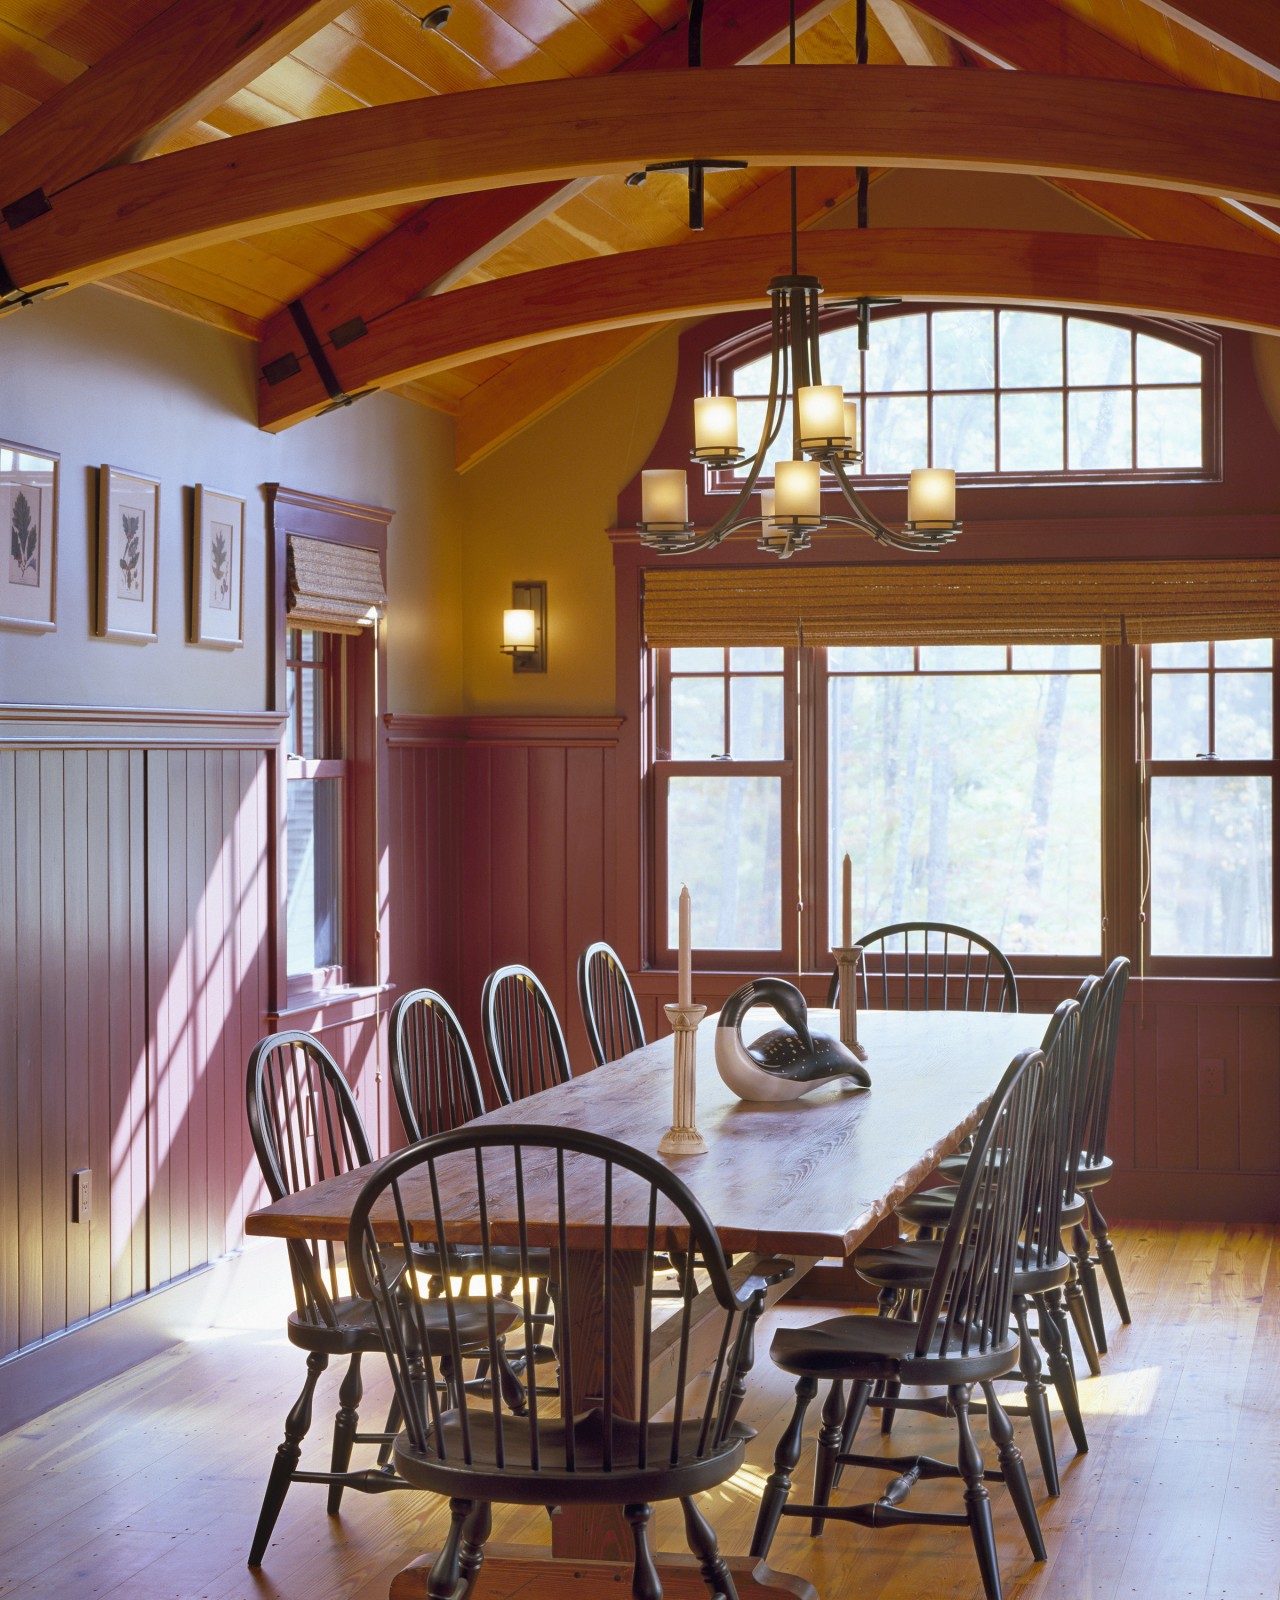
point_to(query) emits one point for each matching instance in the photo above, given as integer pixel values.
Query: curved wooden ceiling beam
(690, 280)
(123, 218)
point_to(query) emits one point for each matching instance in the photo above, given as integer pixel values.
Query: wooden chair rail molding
(646, 286)
(405, 731)
(131, 727)
(125, 217)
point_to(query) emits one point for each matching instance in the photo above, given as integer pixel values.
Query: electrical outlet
(1213, 1078)
(81, 1194)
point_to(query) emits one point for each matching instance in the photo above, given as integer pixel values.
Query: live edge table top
(810, 1177)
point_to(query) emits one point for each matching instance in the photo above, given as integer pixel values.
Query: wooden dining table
(806, 1179)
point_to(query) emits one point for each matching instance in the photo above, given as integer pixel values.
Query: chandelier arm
(868, 522)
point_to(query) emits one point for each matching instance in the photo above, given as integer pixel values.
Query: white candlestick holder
(848, 960)
(682, 1137)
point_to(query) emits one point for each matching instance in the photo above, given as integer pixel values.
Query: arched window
(1008, 394)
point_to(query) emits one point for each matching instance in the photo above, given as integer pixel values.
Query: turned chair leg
(977, 1502)
(829, 1437)
(702, 1541)
(446, 1569)
(475, 1530)
(1037, 1404)
(859, 1394)
(785, 1457)
(645, 1583)
(1074, 1297)
(1015, 1471)
(1052, 1318)
(288, 1454)
(344, 1428)
(1089, 1284)
(1107, 1257)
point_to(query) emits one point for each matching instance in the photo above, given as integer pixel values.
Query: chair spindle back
(1102, 1062)
(966, 1308)
(433, 1073)
(604, 1210)
(306, 1126)
(1055, 1153)
(522, 1034)
(609, 1006)
(931, 966)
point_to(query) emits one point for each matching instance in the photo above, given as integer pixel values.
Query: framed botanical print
(128, 520)
(29, 524)
(217, 569)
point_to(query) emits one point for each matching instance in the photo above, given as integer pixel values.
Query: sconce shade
(519, 629)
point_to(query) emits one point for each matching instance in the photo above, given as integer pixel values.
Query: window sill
(314, 1010)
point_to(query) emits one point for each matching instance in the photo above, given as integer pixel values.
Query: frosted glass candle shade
(821, 411)
(797, 489)
(931, 497)
(664, 496)
(715, 422)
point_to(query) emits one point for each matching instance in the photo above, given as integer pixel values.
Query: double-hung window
(318, 787)
(725, 800)
(1209, 739)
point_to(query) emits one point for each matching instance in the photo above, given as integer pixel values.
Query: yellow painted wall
(539, 508)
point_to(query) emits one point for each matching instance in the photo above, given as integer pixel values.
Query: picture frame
(29, 525)
(217, 568)
(128, 544)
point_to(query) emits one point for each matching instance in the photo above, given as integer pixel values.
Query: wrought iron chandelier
(824, 429)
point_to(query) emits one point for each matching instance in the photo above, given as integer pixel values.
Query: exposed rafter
(431, 250)
(647, 286)
(1037, 36)
(181, 65)
(538, 380)
(1249, 29)
(901, 116)
(915, 38)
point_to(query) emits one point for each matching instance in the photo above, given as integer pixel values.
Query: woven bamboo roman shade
(336, 587)
(1031, 603)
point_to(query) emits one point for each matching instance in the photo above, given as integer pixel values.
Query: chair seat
(929, 1208)
(1093, 1173)
(516, 1482)
(1073, 1211)
(357, 1328)
(863, 1347)
(910, 1265)
(504, 1260)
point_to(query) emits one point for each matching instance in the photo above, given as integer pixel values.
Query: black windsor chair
(1095, 1165)
(1042, 1267)
(306, 1126)
(437, 1088)
(522, 1034)
(610, 1207)
(961, 1337)
(931, 966)
(608, 1002)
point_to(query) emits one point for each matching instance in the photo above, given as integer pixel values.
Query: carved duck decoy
(786, 1062)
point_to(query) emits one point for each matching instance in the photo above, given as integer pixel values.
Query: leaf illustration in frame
(129, 586)
(24, 544)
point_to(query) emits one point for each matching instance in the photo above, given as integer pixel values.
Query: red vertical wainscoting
(133, 921)
(516, 854)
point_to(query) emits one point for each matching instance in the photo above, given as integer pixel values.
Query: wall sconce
(524, 628)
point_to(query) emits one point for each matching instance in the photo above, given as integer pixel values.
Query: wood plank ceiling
(287, 61)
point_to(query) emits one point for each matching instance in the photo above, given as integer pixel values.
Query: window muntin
(317, 783)
(1209, 737)
(1000, 393)
(964, 783)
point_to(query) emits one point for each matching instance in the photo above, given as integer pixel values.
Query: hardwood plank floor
(148, 1487)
